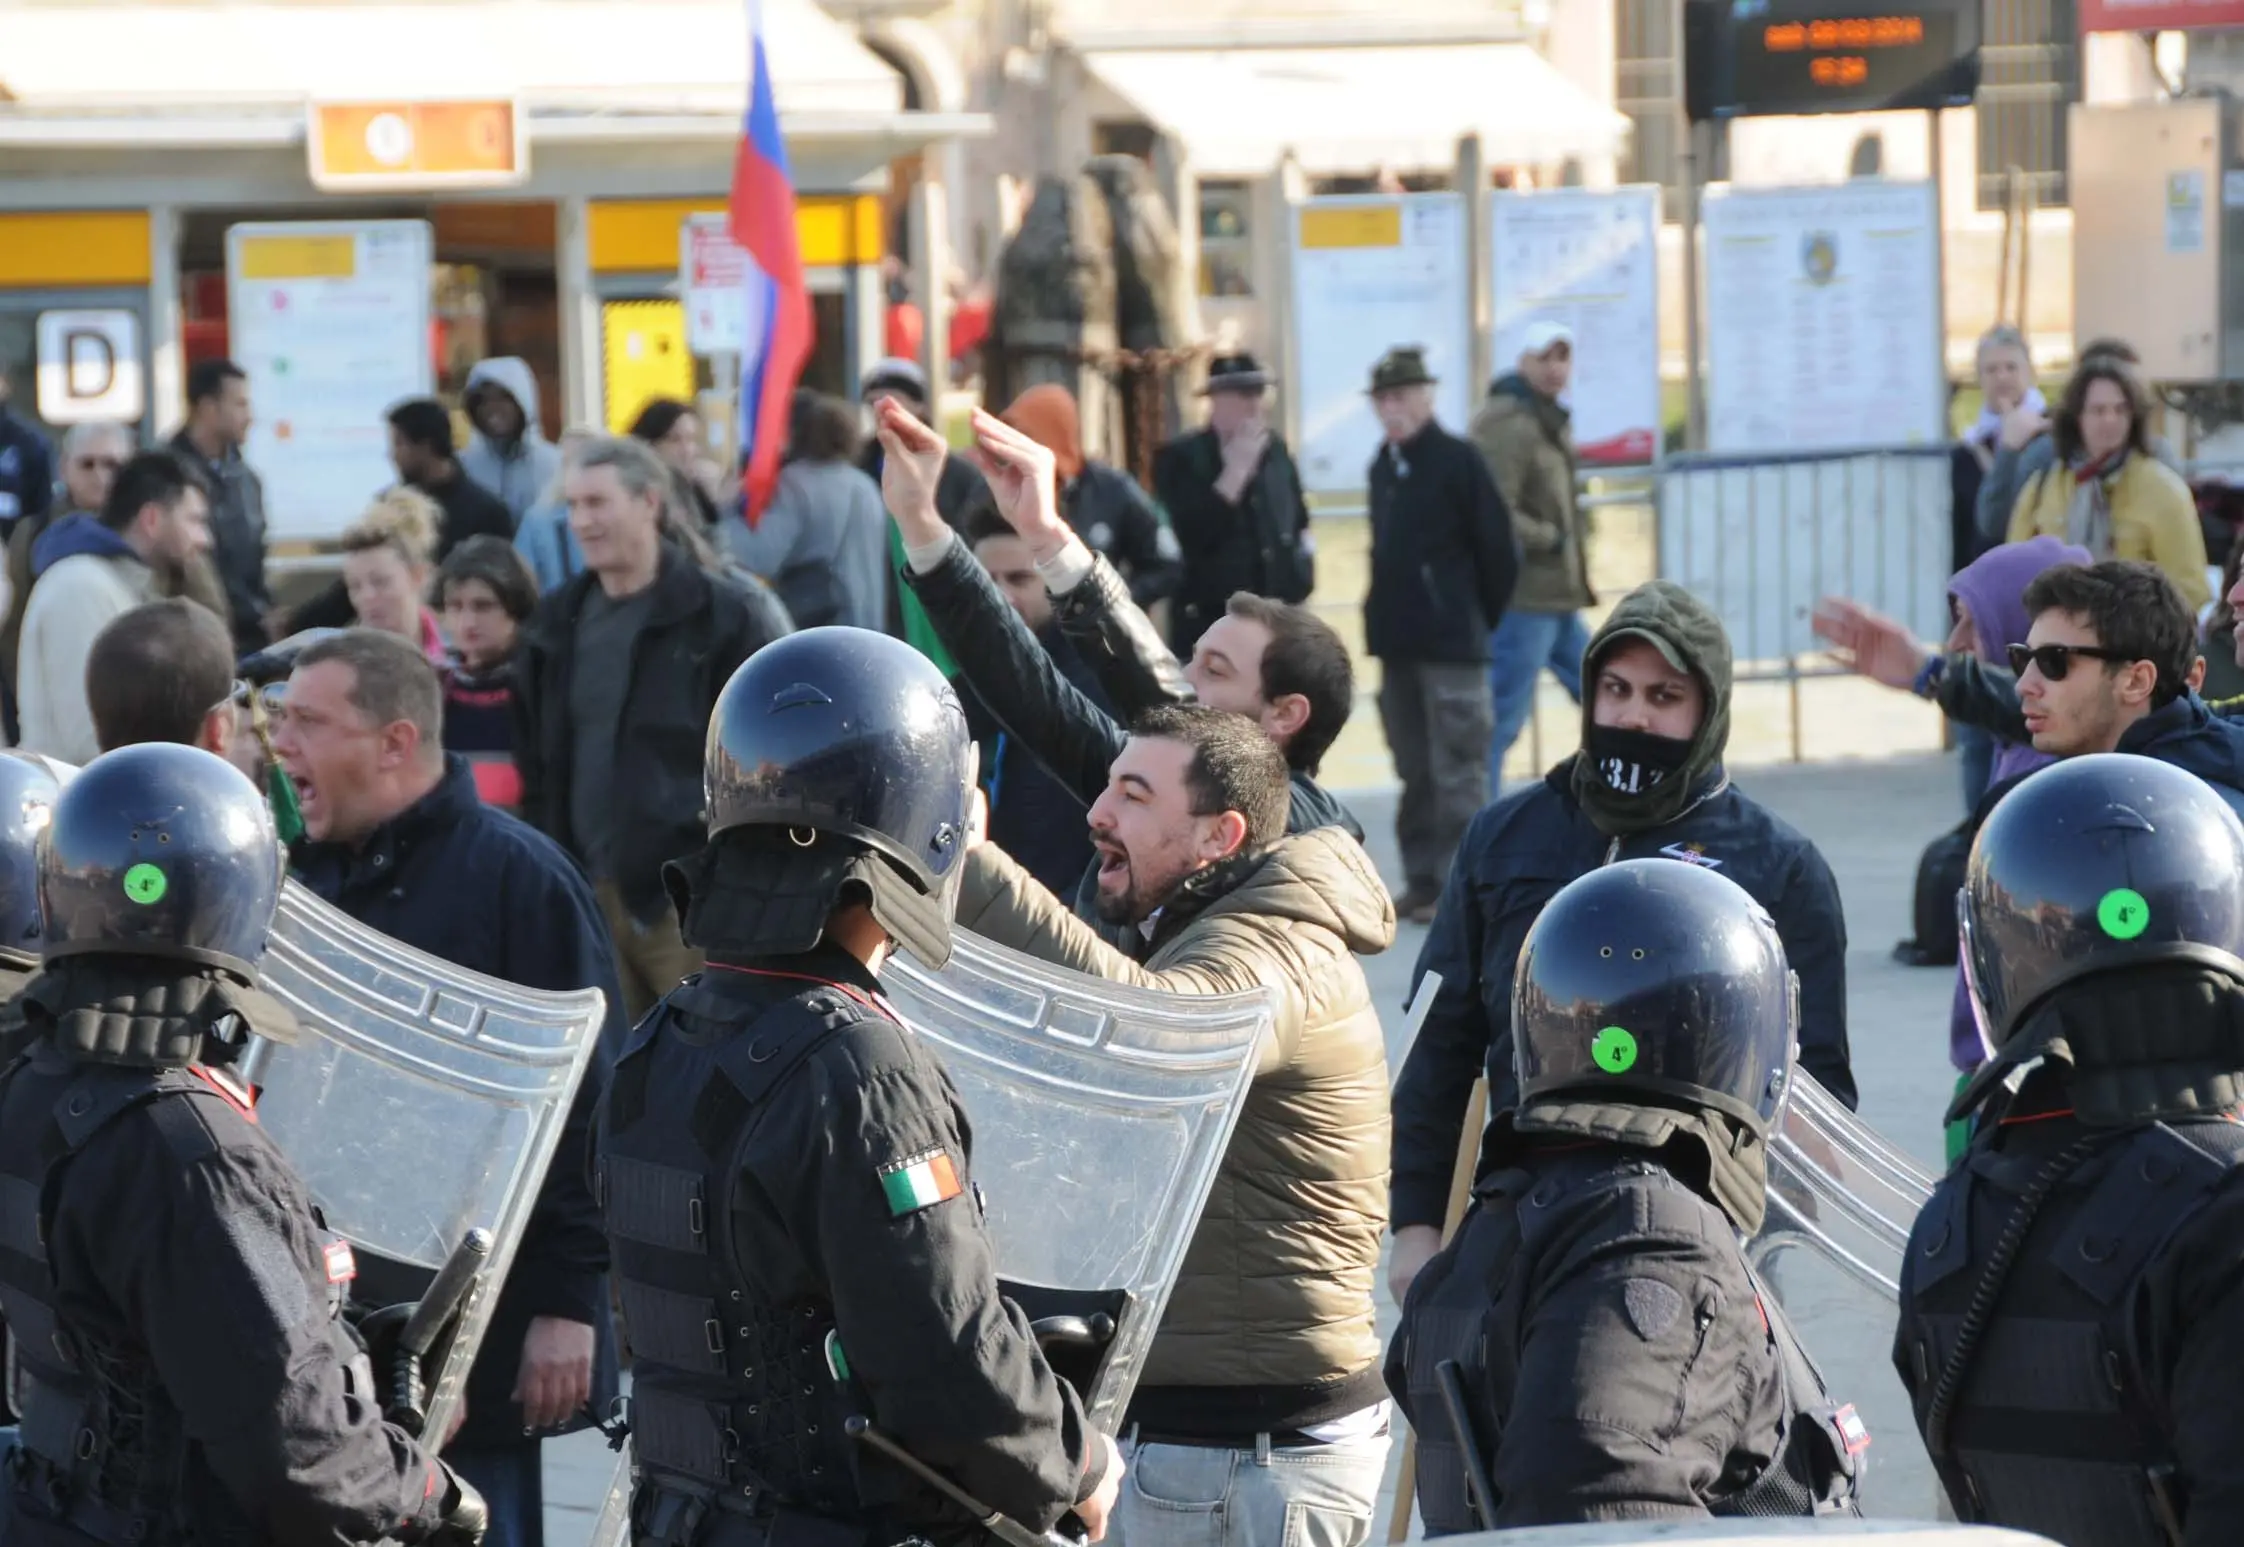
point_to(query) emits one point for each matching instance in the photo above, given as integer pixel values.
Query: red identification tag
(342, 1267)
(1853, 1432)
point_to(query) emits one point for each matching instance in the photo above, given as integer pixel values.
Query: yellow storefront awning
(1238, 111)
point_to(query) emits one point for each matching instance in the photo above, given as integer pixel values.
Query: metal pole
(1934, 131)
(1480, 274)
(1694, 371)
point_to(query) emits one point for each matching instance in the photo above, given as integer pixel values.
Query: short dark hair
(147, 478)
(392, 680)
(984, 522)
(495, 562)
(2133, 609)
(821, 428)
(156, 671)
(1307, 656)
(2065, 423)
(658, 419)
(424, 422)
(207, 378)
(1234, 767)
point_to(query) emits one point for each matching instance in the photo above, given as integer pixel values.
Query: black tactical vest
(734, 1403)
(1471, 1304)
(103, 1448)
(2055, 1423)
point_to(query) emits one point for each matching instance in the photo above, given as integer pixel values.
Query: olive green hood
(1686, 631)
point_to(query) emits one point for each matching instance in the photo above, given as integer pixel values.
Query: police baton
(1468, 1448)
(454, 1284)
(1004, 1527)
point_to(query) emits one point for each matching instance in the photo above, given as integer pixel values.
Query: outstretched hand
(1871, 643)
(1024, 476)
(910, 469)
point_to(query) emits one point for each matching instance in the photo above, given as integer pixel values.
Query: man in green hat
(1443, 564)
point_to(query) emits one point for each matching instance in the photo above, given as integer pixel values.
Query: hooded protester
(510, 455)
(1103, 504)
(1988, 598)
(1647, 784)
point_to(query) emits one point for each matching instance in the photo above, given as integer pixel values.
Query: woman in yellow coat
(2106, 492)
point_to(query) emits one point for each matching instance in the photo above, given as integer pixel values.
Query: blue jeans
(1521, 646)
(511, 1479)
(1298, 1496)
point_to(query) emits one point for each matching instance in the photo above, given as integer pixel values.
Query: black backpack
(1940, 876)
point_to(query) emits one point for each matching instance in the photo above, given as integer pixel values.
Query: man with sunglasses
(91, 454)
(2110, 664)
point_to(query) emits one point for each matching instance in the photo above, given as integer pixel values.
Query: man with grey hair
(617, 674)
(396, 836)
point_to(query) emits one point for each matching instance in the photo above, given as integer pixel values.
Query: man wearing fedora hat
(1234, 501)
(1443, 564)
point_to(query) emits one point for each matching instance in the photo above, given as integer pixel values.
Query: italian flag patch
(919, 1182)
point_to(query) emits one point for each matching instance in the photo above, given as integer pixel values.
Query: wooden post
(1460, 1197)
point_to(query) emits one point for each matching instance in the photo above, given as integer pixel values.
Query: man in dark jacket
(422, 451)
(1102, 504)
(211, 442)
(1235, 503)
(1527, 435)
(1647, 784)
(2106, 667)
(1443, 565)
(397, 838)
(1033, 816)
(612, 692)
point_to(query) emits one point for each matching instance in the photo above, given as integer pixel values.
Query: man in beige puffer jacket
(1260, 1417)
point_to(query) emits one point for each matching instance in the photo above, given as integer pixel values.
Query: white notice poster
(1368, 274)
(331, 321)
(1823, 318)
(1587, 258)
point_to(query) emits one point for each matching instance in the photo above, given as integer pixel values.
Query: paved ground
(1871, 818)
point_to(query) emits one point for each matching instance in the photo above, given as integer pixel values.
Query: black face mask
(1634, 763)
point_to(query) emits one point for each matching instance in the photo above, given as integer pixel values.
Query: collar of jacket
(1410, 450)
(442, 807)
(680, 591)
(1200, 891)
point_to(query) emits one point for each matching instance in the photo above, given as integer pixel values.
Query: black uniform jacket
(1628, 1359)
(950, 1368)
(204, 1252)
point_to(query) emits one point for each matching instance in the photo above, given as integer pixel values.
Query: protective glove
(466, 1516)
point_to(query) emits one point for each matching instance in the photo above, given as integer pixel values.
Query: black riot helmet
(1659, 982)
(2093, 864)
(28, 789)
(845, 744)
(160, 850)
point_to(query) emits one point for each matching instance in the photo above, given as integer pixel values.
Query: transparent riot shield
(1841, 1201)
(423, 1101)
(1100, 1114)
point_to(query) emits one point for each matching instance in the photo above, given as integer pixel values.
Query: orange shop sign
(408, 145)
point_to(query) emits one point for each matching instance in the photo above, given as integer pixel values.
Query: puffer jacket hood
(1686, 631)
(1321, 878)
(75, 535)
(511, 374)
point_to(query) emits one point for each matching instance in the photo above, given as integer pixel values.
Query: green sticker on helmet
(145, 884)
(1615, 1050)
(2123, 913)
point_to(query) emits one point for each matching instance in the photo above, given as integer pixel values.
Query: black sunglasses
(2056, 660)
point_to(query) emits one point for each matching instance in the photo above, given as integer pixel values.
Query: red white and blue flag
(779, 331)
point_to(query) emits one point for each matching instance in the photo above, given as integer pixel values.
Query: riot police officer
(1593, 1345)
(2072, 1302)
(786, 1173)
(181, 1365)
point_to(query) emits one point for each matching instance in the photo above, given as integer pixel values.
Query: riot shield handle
(454, 1284)
(1004, 1527)
(1093, 1331)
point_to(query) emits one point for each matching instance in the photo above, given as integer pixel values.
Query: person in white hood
(510, 455)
